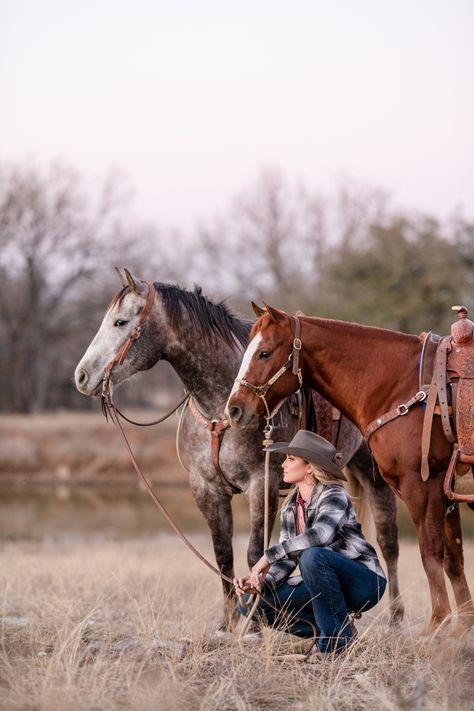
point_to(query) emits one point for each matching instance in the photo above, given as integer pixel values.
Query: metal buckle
(420, 396)
(402, 409)
(135, 334)
(297, 345)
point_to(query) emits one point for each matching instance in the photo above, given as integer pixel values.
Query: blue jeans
(333, 587)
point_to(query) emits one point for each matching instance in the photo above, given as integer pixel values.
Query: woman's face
(295, 469)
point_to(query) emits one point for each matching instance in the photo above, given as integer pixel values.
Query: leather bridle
(293, 362)
(134, 335)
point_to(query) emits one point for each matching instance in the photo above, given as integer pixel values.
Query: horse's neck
(363, 371)
(206, 371)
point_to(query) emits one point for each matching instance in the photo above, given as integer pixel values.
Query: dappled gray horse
(204, 344)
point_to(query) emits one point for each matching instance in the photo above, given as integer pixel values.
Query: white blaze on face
(106, 343)
(248, 355)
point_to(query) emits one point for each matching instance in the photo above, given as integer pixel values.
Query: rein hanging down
(110, 410)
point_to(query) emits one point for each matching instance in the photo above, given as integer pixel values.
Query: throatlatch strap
(296, 346)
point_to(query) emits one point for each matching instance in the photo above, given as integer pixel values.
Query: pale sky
(191, 99)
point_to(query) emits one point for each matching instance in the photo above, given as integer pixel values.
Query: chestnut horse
(365, 372)
(204, 343)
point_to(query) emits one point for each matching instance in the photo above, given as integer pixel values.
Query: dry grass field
(101, 608)
(97, 624)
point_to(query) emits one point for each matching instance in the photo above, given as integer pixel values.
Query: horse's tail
(360, 499)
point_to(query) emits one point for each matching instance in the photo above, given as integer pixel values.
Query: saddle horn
(462, 330)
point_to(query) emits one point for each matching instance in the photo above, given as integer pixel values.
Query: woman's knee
(313, 556)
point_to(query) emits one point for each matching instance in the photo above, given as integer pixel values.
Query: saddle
(320, 416)
(450, 360)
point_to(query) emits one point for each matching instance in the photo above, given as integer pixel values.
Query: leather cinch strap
(438, 390)
(441, 386)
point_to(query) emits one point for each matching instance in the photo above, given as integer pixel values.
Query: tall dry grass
(98, 624)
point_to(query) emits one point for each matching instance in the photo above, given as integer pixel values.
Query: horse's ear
(136, 284)
(123, 281)
(276, 315)
(258, 311)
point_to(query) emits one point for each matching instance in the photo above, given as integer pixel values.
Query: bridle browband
(293, 362)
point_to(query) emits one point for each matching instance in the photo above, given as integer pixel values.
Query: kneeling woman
(340, 571)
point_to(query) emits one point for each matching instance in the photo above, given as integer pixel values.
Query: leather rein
(293, 362)
(215, 426)
(109, 409)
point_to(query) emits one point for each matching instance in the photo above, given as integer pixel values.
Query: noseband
(293, 362)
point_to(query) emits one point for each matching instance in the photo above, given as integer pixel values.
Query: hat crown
(304, 439)
(312, 448)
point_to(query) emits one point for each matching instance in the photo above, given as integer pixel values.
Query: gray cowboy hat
(312, 447)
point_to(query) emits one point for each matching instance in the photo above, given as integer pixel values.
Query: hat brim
(319, 460)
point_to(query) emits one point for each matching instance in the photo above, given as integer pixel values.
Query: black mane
(210, 319)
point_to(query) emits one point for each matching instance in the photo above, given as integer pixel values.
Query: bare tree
(58, 242)
(276, 239)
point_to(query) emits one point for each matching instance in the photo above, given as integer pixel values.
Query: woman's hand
(252, 584)
(243, 585)
(259, 572)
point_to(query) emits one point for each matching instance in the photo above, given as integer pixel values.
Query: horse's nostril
(235, 413)
(83, 377)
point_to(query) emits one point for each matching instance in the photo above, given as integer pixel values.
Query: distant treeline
(348, 255)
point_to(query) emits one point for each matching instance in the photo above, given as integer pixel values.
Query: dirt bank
(84, 448)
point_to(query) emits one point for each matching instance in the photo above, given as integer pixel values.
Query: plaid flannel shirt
(331, 523)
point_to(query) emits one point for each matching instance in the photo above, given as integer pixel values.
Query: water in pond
(123, 512)
(49, 511)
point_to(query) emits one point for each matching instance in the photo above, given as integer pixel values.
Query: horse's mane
(212, 320)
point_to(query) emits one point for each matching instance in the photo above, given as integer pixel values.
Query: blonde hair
(323, 476)
(319, 474)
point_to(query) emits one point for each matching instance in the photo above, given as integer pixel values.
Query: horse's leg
(454, 567)
(215, 505)
(426, 505)
(383, 506)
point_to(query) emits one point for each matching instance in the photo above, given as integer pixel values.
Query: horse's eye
(264, 354)
(120, 322)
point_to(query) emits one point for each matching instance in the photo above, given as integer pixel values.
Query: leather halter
(134, 335)
(216, 427)
(293, 362)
